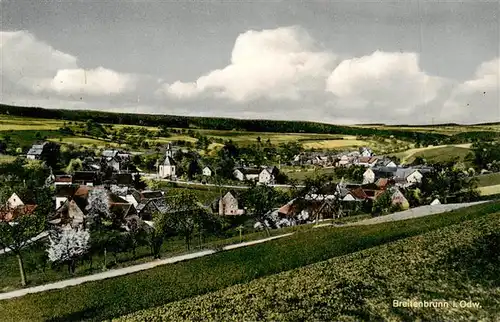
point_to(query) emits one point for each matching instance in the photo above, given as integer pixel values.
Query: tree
(383, 203)
(260, 200)
(97, 207)
(185, 216)
(16, 235)
(74, 165)
(68, 245)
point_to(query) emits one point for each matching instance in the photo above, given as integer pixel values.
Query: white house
(368, 176)
(14, 201)
(265, 176)
(409, 175)
(207, 171)
(366, 152)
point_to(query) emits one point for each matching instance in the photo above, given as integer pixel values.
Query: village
(130, 198)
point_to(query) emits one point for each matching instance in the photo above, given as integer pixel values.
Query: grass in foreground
(455, 263)
(122, 295)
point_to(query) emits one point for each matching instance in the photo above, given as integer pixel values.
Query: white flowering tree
(97, 206)
(67, 246)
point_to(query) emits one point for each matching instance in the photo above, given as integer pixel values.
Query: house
(44, 151)
(85, 178)
(357, 194)
(268, 175)
(63, 180)
(115, 159)
(407, 176)
(386, 163)
(320, 160)
(207, 171)
(365, 152)
(14, 201)
(166, 168)
(398, 198)
(68, 214)
(228, 205)
(243, 174)
(14, 208)
(63, 193)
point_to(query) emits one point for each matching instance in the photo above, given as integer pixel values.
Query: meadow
(455, 263)
(148, 289)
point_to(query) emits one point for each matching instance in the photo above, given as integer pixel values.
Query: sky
(341, 62)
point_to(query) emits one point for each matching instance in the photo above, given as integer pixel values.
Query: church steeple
(169, 152)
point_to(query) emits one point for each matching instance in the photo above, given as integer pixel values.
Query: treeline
(228, 124)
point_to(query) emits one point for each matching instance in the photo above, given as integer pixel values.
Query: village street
(408, 214)
(154, 176)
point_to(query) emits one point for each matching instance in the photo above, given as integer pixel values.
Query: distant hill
(215, 123)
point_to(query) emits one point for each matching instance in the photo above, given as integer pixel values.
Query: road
(127, 270)
(42, 235)
(155, 177)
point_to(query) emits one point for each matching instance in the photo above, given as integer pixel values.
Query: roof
(8, 214)
(63, 178)
(359, 193)
(151, 194)
(110, 153)
(82, 191)
(66, 190)
(37, 149)
(249, 170)
(382, 182)
(404, 172)
(84, 176)
(122, 178)
(68, 213)
(168, 161)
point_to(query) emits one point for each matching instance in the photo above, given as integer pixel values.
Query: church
(166, 169)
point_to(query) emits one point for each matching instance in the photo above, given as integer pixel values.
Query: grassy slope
(440, 154)
(122, 295)
(455, 263)
(432, 151)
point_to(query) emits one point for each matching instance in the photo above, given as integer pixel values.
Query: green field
(434, 153)
(23, 123)
(455, 263)
(302, 174)
(126, 294)
(441, 154)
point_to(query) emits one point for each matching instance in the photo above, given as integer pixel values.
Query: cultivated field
(451, 264)
(438, 152)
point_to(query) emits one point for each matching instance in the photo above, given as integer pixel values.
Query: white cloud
(97, 81)
(389, 81)
(275, 64)
(38, 67)
(477, 99)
